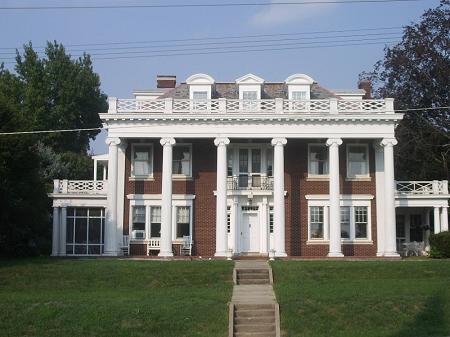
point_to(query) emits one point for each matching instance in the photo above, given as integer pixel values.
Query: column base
(111, 253)
(380, 254)
(335, 254)
(220, 254)
(280, 254)
(165, 254)
(391, 254)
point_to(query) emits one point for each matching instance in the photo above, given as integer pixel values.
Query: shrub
(440, 245)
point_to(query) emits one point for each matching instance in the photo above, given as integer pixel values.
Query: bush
(440, 245)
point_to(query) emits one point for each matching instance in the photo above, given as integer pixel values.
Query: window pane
(200, 95)
(183, 221)
(80, 249)
(318, 159)
(95, 250)
(256, 161)
(155, 230)
(81, 212)
(70, 211)
(155, 222)
(243, 160)
(249, 95)
(229, 162)
(95, 230)
(182, 230)
(345, 222)
(138, 218)
(95, 212)
(155, 214)
(316, 222)
(69, 249)
(400, 225)
(69, 230)
(298, 95)
(361, 222)
(357, 160)
(181, 160)
(80, 230)
(269, 157)
(142, 160)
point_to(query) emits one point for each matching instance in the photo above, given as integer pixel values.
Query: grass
(59, 297)
(363, 298)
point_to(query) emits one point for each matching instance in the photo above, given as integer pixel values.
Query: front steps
(254, 310)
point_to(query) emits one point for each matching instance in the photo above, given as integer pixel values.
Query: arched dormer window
(200, 86)
(299, 87)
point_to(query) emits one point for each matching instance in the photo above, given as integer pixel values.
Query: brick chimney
(166, 81)
(367, 86)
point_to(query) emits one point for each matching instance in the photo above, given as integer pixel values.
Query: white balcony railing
(80, 186)
(264, 106)
(434, 187)
(250, 182)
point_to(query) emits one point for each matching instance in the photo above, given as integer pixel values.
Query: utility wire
(197, 5)
(134, 126)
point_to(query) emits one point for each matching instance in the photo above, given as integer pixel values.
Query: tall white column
(55, 234)
(444, 219)
(166, 198)
(427, 231)
(62, 232)
(437, 220)
(221, 198)
(278, 196)
(111, 246)
(390, 248)
(379, 182)
(335, 249)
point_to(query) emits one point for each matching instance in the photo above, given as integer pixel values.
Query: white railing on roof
(277, 105)
(80, 186)
(434, 187)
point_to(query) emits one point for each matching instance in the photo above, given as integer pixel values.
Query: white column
(111, 247)
(444, 219)
(427, 231)
(390, 248)
(437, 220)
(166, 198)
(335, 249)
(55, 236)
(62, 232)
(379, 182)
(221, 198)
(278, 197)
(236, 230)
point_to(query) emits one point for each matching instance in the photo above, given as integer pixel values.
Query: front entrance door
(250, 233)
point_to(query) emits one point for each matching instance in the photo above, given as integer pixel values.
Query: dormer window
(200, 86)
(299, 87)
(298, 95)
(249, 95)
(200, 95)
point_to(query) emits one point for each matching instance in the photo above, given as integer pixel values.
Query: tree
(416, 72)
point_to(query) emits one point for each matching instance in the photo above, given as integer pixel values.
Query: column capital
(221, 141)
(112, 141)
(388, 142)
(168, 141)
(279, 141)
(334, 141)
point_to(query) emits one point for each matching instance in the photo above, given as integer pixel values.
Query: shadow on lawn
(429, 321)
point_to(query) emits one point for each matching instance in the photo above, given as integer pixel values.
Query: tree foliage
(44, 93)
(416, 72)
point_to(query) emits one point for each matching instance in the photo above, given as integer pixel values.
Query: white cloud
(283, 14)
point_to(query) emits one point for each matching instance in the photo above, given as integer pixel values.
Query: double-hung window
(138, 222)
(361, 222)
(316, 222)
(298, 95)
(155, 222)
(142, 163)
(345, 222)
(249, 99)
(182, 160)
(200, 100)
(318, 160)
(354, 222)
(183, 221)
(357, 161)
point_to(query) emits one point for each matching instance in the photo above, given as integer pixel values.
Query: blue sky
(331, 67)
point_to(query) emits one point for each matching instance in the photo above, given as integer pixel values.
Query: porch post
(389, 194)
(55, 236)
(335, 248)
(379, 181)
(278, 197)
(166, 198)
(62, 232)
(444, 219)
(437, 222)
(221, 198)
(111, 247)
(427, 232)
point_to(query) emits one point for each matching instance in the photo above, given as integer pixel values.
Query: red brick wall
(204, 183)
(297, 186)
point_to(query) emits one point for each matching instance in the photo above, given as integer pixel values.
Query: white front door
(250, 233)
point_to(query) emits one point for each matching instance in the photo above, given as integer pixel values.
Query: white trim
(359, 176)
(250, 79)
(183, 176)
(159, 196)
(200, 79)
(299, 79)
(141, 177)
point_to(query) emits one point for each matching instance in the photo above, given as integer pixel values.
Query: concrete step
(254, 313)
(261, 306)
(242, 276)
(262, 327)
(253, 281)
(255, 320)
(253, 270)
(254, 334)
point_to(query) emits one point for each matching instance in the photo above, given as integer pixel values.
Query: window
(298, 95)
(183, 221)
(155, 222)
(269, 159)
(200, 95)
(361, 222)
(318, 159)
(142, 165)
(345, 222)
(271, 219)
(357, 161)
(138, 223)
(182, 160)
(249, 100)
(230, 162)
(200, 100)
(85, 231)
(316, 222)
(228, 219)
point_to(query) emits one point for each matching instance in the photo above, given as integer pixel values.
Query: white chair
(186, 246)
(125, 248)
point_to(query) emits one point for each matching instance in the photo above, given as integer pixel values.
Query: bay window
(357, 161)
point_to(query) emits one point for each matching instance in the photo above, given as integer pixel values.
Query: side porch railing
(434, 187)
(80, 186)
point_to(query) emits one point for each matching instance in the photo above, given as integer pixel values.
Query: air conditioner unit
(139, 234)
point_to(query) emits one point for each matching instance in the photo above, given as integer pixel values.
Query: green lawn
(363, 298)
(58, 297)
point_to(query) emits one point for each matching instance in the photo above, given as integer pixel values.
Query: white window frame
(183, 176)
(359, 176)
(322, 176)
(304, 93)
(148, 176)
(352, 201)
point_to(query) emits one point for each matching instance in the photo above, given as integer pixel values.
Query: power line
(197, 5)
(137, 126)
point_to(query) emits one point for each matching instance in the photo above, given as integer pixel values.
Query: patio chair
(125, 248)
(186, 246)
